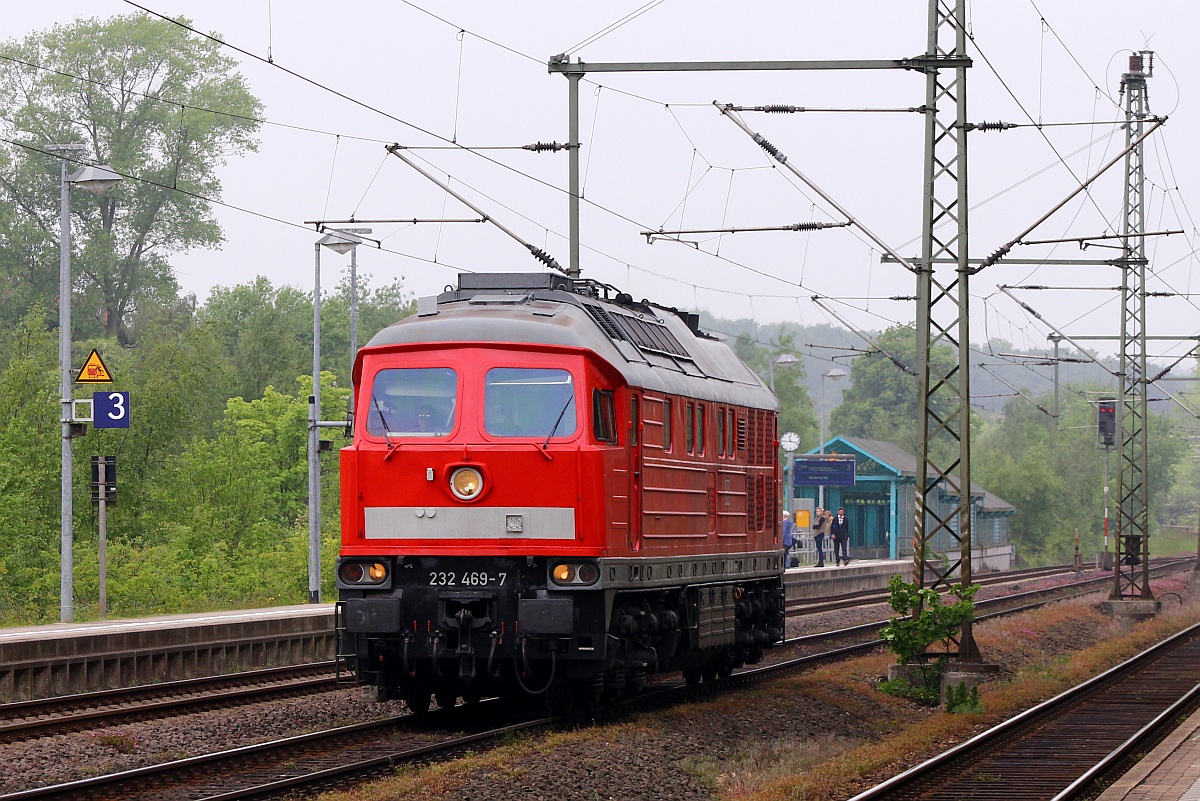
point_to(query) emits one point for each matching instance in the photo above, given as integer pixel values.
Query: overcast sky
(658, 155)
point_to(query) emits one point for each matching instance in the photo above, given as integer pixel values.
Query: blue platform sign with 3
(110, 409)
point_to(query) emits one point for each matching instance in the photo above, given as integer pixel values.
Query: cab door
(635, 471)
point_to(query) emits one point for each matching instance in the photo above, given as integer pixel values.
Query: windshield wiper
(558, 420)
(383, 420)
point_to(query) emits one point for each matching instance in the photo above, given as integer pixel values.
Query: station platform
(1171, 772)
(65, 658)
(809, 582)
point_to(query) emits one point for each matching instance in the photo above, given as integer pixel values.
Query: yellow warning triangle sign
(94, 371)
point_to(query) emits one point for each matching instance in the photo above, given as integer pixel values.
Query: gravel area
(643, 765)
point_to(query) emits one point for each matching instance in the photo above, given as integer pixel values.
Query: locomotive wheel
(418, 701)
(471, 695)
(560, 698)
(691, 676)
(710, 671)
(446, 699)
(725, 664)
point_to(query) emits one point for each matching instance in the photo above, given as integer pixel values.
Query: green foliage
(960, 700)
(29, 470)
(925, 618)
(154, 102)
(796, 411)
(923, 693)
(1054, 475)
(881, 401)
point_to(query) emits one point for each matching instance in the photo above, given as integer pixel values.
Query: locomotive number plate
(468, 578)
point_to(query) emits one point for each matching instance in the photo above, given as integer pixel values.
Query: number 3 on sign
(110, 409)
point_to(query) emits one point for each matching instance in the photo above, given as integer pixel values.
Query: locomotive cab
(510, 522)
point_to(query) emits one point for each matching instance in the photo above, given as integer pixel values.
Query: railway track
(63, 714)
(865, 597)
(1066, 747)
(324, 759)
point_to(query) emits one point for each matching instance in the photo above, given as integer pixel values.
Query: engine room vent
(648, 335)
(604, 320)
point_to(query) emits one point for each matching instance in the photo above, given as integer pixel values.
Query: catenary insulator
(770, 148)
(991, 126)
(545, 258)
(540, 147)
(777, 109)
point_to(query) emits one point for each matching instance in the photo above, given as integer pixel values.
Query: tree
(881, 401)
(29, 471)
(165, 109)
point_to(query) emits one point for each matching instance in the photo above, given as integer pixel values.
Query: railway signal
(1106, 421)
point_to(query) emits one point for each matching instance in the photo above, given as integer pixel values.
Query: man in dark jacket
(840, 530)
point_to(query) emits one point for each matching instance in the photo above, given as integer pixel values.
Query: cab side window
(604, 416)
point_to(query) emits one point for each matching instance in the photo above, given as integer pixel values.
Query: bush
(925, 618)
(924, 695)
(961, 700)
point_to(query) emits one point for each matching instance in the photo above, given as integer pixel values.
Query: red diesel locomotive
(553, 489)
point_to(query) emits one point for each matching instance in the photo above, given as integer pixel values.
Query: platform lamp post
(783, 360)
(342, 243)
(836, 374)
(97, 180)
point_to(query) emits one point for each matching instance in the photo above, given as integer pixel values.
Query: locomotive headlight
(466, 483)
(568, 574)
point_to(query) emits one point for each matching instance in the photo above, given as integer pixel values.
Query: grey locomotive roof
(652, 347)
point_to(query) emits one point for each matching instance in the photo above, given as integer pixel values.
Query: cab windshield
(529, 402)
(413, 402)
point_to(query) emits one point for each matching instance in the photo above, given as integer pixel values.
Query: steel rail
(121, 785)
(989, 743)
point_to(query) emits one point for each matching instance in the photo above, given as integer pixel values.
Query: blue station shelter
(881, 503)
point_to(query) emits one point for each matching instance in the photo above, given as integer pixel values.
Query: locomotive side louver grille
(760, 497)
(757, 437)
(752, 509)
(741, 433)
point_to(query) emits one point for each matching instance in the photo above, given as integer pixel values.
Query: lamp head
(836, 373)
(340, 242)
(96, 179)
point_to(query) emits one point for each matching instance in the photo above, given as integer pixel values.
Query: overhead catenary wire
(538, 253)
(734, 262)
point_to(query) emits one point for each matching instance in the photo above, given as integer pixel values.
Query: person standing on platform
(840, 529)
(820, 529)
(789, 533)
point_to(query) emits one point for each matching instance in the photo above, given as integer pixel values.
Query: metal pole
(67, 577)
(573, 170)
(821, 416)
(1106, 450)
(353, 320)
(791, 460)
(102, 514)
(1056, 339)
(314, 466)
